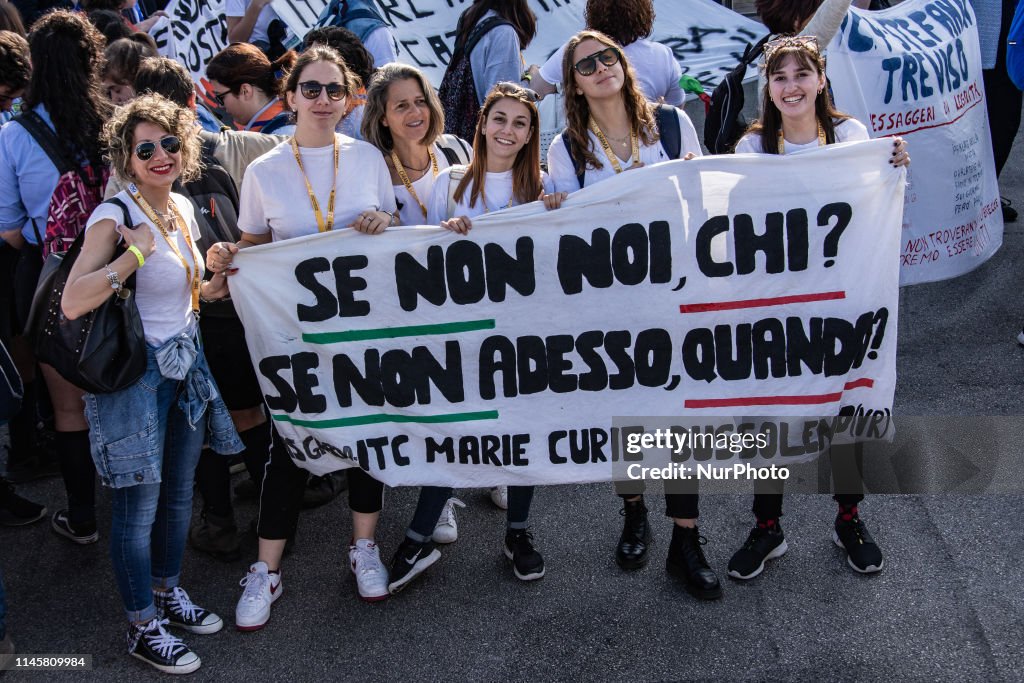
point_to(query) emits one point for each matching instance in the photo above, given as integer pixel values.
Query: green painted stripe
(377, 419)
(393, 332)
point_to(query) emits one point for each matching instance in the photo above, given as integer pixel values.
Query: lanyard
(612, 157)
(192, 274)
(400, 169)
(821, 139)
(321, 225)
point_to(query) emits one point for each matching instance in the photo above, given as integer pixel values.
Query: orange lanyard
(192, 274)
(321, 225)
(822, 141)
(634, 140)
(400, 169)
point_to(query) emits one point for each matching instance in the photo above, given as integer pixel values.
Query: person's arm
(826, 21)
(89, 283)
(240, 28)
(560, 168)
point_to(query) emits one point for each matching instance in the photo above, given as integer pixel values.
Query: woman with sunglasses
(146, 439)
(244, 83)
(283, 196)
(505, 171)
(612, 128)
(797, 116)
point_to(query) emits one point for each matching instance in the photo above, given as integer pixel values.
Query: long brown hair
(771, 119)
(526, 180)
(516, 12)
(577, 109)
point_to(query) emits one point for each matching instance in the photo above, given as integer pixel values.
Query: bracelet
(138, 254)
(112, 278)
(394, 219)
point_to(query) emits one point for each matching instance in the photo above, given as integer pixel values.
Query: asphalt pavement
(948, 606)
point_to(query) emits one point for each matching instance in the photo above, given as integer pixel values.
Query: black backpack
(725, 124)
(457, 91)
(669, 134)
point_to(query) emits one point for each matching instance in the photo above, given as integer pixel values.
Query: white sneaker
(1020, 337)
(371, 575)
(499, 496)
(261, 590)
(447, 529)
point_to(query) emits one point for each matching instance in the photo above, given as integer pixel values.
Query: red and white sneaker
(371, 574)
(261, 590)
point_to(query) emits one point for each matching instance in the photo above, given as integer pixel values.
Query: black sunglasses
(588, 65)
(218, 97)
(145, 150)
(312, 89)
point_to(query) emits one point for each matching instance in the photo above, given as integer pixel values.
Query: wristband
(138, 254)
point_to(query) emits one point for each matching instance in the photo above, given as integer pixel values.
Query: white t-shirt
(274, 198)
(563, 173)
(381, 44)
(409, 208)
(848, 130)
(657, 70)
(162, 290)
(497, 196)
(236, 8)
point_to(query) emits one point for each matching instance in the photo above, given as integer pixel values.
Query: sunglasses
(588, 65)
(312, 89)
(145, 150)
(218, 97)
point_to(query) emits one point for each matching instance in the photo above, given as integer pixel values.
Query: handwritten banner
(710, 287)
(915, 70)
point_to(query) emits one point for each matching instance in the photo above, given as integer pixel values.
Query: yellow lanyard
(320, 224)
(821, 139)
(400, 169)
(192, 274)
(634, 140)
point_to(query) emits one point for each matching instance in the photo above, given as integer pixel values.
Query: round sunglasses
(145, 150)
(312, 89)
(588, 65)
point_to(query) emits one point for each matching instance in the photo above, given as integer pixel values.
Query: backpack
(455, 176)
(669, 133)
(1015, 48)
(455, 149)
(78, 192)
(458, 92)
(724, 124)
(361, 20)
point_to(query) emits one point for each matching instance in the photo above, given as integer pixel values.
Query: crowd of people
(337, 135)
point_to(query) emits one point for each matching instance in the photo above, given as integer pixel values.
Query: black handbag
(101, 352)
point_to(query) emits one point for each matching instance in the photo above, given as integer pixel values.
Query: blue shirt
(27, 179)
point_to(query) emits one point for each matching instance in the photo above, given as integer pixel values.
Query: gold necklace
(822, 141)
(192, 274)
(400, 169)
(321, 225)
(612, 157)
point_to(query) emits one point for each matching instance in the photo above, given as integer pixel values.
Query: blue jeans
(433, 498)
(151, 520)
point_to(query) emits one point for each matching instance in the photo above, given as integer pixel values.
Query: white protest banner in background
(192, 33)
(915, 70)
(705, 37)
(716, 286)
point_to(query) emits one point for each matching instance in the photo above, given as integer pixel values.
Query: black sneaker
(410, 560)
(216, 536)
(1009, 213)
(83, 534)
(862, 553)
(322, 490)
(180, 612)
(526, 561)
(155, 646)
(762, 545)
(15, 510)
(686, 560)
(631, 552)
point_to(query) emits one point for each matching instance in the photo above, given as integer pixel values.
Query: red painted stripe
(759, 303)
(810, 399)
(892, 134)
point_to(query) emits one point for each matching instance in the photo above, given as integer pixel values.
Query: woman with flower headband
(505, 172)
(315, 182)
(798, 115)
(611, 128)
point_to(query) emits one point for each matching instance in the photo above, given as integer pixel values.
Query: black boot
(635, 540)
(686, 560)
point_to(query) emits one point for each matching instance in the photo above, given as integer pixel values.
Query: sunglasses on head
(588, 65)
(312, 89)
(145, 150)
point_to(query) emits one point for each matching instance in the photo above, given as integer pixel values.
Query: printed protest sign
(915, 70)
(717, 286)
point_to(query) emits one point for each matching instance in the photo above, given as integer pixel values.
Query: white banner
(706, 38)
(915, 71)
(734, 285)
